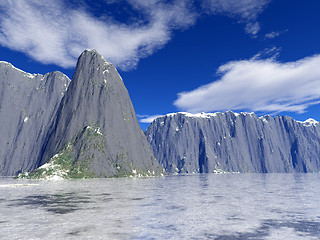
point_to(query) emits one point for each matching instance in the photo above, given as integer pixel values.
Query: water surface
(204, 206)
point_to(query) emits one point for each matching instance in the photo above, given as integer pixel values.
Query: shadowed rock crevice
(203, 160)
(232, 142)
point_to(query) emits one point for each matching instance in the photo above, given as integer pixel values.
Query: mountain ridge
(309, 121)
(123, 147)
(234, 142)
(84, 127)
(27, 103)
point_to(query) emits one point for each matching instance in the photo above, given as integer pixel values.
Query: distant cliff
(86, 127)
(231, 142)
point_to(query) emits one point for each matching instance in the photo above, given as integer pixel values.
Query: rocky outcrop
(97, 125)
(86, 127)
(28, 103)
(231, 142)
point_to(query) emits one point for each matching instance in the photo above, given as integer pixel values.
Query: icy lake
(204, 206)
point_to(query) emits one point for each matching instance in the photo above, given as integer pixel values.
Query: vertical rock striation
(231, 142)
(96, 124)
(82, 128)
(28, 103)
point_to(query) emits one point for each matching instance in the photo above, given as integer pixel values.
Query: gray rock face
(86, 127)
(97, 125)
(28, 103)
(230, 142)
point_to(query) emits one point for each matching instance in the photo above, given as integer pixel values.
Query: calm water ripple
(205, 206)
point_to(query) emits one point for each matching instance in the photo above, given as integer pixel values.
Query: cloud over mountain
(56, 32)
(258, 85)
(147, 118)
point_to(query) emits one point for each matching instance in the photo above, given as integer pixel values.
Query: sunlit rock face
(28, 102)
(231, 142)
(96, 118)
(88, 129)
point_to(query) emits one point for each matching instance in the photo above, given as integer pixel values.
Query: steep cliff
(28, 103)
(52, 127)
(95, 129)
(231, 142)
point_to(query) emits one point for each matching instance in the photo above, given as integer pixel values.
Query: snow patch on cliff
(309, 122)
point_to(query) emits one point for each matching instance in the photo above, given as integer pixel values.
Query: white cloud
(56, 32)
(258, 85)
(29, 27)
(245, 10)
(274, 34)
(147, 118)
(252, 28)
(51, 32)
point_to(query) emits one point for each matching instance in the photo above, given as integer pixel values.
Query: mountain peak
(97, 99)
(91, 55)
(309, 122)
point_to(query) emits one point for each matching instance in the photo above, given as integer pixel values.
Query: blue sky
(193, 56)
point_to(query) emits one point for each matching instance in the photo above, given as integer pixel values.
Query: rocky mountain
(88, 129)
(96, 126)
(231, 142)
(28, 102)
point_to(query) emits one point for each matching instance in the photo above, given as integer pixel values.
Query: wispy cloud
(246, 11)
(274, 34)
(252, 28)
(268, 53)
(147, 118)
(57, 32)
(258, 85)
(52, 32)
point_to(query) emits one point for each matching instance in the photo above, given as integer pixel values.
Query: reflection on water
(302, 229)
(205, 206)
(62, 203)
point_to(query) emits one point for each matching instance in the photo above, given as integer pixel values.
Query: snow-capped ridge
(194, 115)
(235, 142)
(265, 118)
(32, 75)
(309, 122)
(29, 75)
(206, 115)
